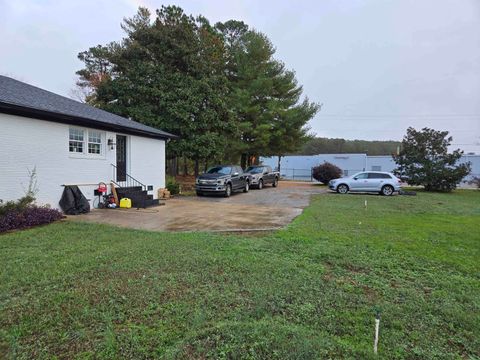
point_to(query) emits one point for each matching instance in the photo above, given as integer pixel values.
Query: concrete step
(130, 188)
(140, 198)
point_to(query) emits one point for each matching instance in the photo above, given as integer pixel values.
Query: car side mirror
(235, 173)
(355, 178)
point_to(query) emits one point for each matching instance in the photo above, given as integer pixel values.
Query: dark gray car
(262, 175)
(223, 180)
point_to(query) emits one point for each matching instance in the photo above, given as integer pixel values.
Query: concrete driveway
(257, 210)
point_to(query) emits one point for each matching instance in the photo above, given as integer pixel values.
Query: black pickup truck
(262, 175)
(222, 179)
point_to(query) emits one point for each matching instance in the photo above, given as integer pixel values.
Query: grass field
(73, 290)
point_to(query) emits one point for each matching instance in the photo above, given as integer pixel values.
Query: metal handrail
(130, 181)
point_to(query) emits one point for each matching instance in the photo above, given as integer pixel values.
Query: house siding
(27, 143)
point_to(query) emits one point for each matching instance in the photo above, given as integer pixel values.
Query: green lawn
(73, 290)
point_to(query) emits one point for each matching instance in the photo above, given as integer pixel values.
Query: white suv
(369, 181)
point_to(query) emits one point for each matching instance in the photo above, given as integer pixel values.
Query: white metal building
(299, 167)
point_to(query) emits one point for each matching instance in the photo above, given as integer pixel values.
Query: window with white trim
(86, 142)
(94, 142)
(76, 138)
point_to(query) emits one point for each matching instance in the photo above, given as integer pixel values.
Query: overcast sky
(377, 66)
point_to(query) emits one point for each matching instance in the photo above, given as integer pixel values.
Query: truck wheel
(260, 184)
(275, 182)
(199, 193)
(228, 190)
(247, 187)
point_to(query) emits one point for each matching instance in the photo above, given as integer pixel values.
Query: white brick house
(70, 143)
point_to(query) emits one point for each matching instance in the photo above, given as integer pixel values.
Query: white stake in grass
(377, 329)
(365, 204)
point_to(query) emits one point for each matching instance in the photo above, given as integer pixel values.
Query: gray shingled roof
(22, 95)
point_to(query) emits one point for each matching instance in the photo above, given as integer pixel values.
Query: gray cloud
(377, 66)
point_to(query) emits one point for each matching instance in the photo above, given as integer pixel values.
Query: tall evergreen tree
(264, 95)
(219, 88)
(168, 74)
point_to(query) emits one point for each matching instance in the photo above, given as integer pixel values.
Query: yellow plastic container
(126, 203)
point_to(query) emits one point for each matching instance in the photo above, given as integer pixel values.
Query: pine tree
(219, 88)
(167, 74)
(424, 160)
(264, 96)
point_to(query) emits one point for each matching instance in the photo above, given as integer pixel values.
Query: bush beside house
(28, 217)
(173, 186)
(23, 213)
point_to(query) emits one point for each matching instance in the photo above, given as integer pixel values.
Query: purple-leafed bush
(326, 172)
(29, 216)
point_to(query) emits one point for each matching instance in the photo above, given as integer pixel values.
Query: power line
(404, 115)
(393, 131)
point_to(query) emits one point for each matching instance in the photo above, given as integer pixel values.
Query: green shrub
(24, 202)
(173, 186)
(23, 213)
(18, 206)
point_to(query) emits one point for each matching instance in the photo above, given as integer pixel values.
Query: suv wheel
(260, 184)
(342, 189)
(199, 193)
(228, 190)
(387, 190)
(275, 182)
(247, 187)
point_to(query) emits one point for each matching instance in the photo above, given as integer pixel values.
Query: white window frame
(86, 142)
(97, 140)
(76, 139)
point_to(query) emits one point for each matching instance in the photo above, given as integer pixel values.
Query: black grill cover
(73, 202)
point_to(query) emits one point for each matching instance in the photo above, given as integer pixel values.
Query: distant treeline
(341, 146)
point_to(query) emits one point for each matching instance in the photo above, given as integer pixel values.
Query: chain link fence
(307, 174)
(297, 174)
